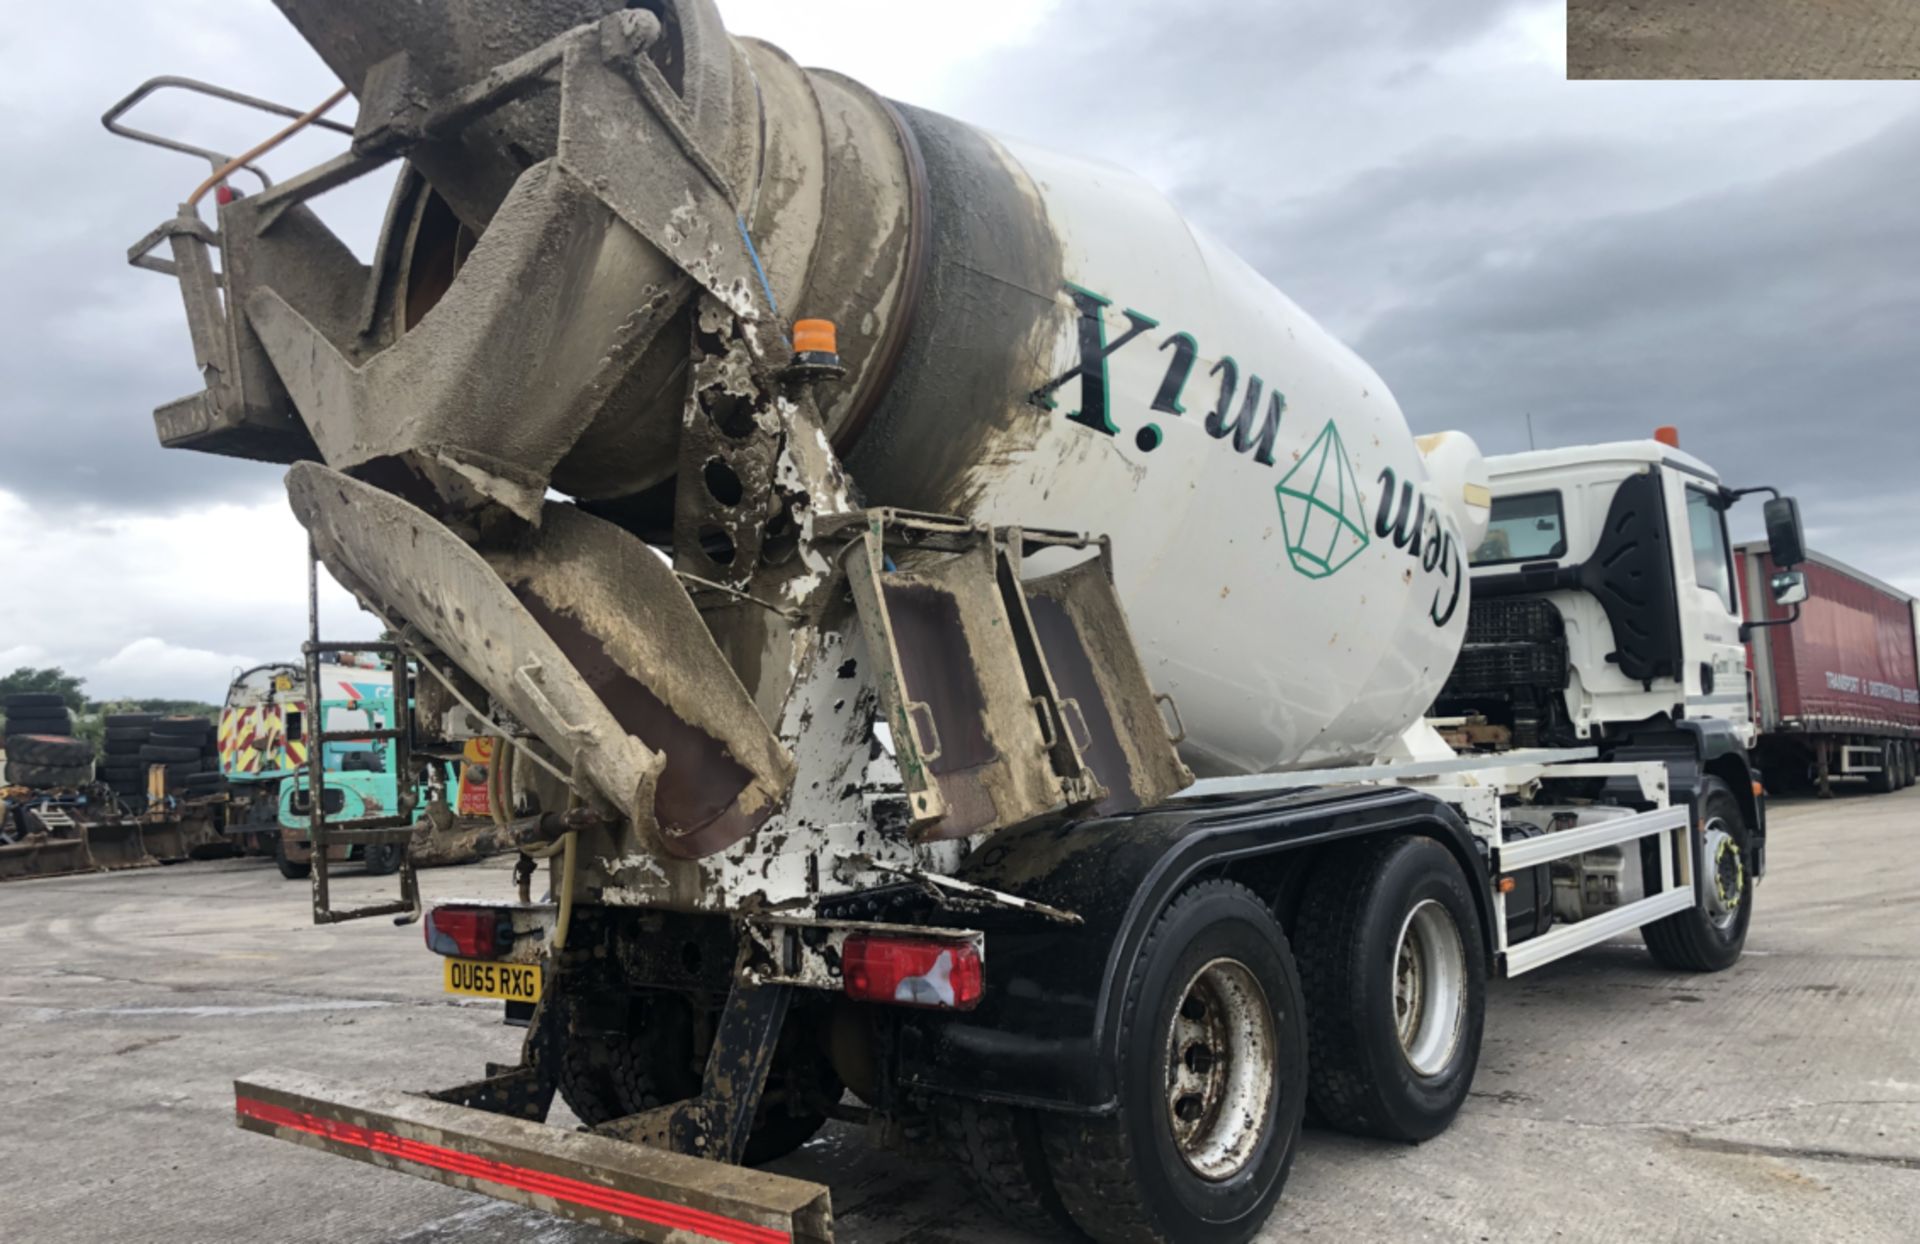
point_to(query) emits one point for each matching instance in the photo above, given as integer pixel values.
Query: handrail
(111, 118)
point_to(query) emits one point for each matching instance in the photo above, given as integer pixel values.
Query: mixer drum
(1028, 339)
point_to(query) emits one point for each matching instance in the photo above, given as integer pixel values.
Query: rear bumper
(645, 1194)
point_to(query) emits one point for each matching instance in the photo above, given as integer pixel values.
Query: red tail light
(469, 932)
(913, 971)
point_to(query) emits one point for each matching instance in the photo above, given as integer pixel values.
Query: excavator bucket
(163, 840)
(119, 843)
(44, 855)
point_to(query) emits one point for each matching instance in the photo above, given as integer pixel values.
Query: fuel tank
(1027, 338)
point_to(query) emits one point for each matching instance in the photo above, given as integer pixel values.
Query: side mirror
(1785, 539)
(1789, 587)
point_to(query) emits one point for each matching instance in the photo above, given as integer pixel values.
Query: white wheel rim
(1221, 1069)
(1429, 987)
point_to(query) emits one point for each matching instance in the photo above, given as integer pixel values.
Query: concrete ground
(1777, 1101)
(1743, 39)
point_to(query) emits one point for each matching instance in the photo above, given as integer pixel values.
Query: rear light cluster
(913, 971)
(470, 932)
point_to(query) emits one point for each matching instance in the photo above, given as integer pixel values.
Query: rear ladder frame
(369, 831)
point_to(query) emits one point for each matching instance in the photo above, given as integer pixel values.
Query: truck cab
(1605, 607)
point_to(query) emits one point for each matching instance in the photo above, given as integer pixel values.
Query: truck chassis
(674, 1167)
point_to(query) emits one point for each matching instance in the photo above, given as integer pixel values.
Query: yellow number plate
(515, 982)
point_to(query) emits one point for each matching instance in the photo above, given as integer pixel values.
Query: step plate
(645, 1194)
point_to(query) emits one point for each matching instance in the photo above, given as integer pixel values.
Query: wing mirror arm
(1789, 589)
(1786, 537)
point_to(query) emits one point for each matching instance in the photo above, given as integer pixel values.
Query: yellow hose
(500, 780)
(565, 849)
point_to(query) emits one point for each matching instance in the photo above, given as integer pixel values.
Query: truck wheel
(607, 1075)
(999, 1150)
(1908, 762)
(1211, 1075)
(289, 869)
(774, 1136)
(1395, 974)
(381, 859)
(1711, 939)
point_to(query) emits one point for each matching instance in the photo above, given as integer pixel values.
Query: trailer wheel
(1887, 779)
(1395, 974)
(1908, 762)
(290, 869)
(999, 1150)
(1710, 939)
(1212, 1081)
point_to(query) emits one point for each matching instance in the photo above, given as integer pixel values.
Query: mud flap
(641, 1193)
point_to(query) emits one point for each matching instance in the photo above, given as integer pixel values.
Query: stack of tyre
(122, 766)
(41, 750)
(190, 751)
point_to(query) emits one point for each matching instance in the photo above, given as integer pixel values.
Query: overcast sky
(1739, 259)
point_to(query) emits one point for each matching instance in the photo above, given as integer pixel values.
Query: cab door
(1715, 658)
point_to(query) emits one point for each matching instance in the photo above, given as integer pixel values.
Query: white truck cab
(1633, 537)
(1606, 611)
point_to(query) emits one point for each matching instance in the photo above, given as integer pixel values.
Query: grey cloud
(1742, 262)
(1158, 86)
(1773, 323)
(88, 345)
(1496, 241)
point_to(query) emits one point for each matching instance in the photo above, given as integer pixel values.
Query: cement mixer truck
(961, 642)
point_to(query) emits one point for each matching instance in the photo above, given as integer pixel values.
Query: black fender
(1046, 1032)
(1693, 751)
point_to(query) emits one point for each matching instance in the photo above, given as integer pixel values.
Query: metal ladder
(368, 831)
(57, 820)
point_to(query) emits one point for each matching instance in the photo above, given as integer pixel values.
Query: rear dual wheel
(1211, 1079)
(649, 1060)
(1395, 973)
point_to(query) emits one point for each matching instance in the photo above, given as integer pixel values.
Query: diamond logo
(1320, 511)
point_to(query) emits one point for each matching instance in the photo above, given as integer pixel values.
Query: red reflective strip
(592, 1196)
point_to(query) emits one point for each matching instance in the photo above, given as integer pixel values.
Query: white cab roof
(1630, 453)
